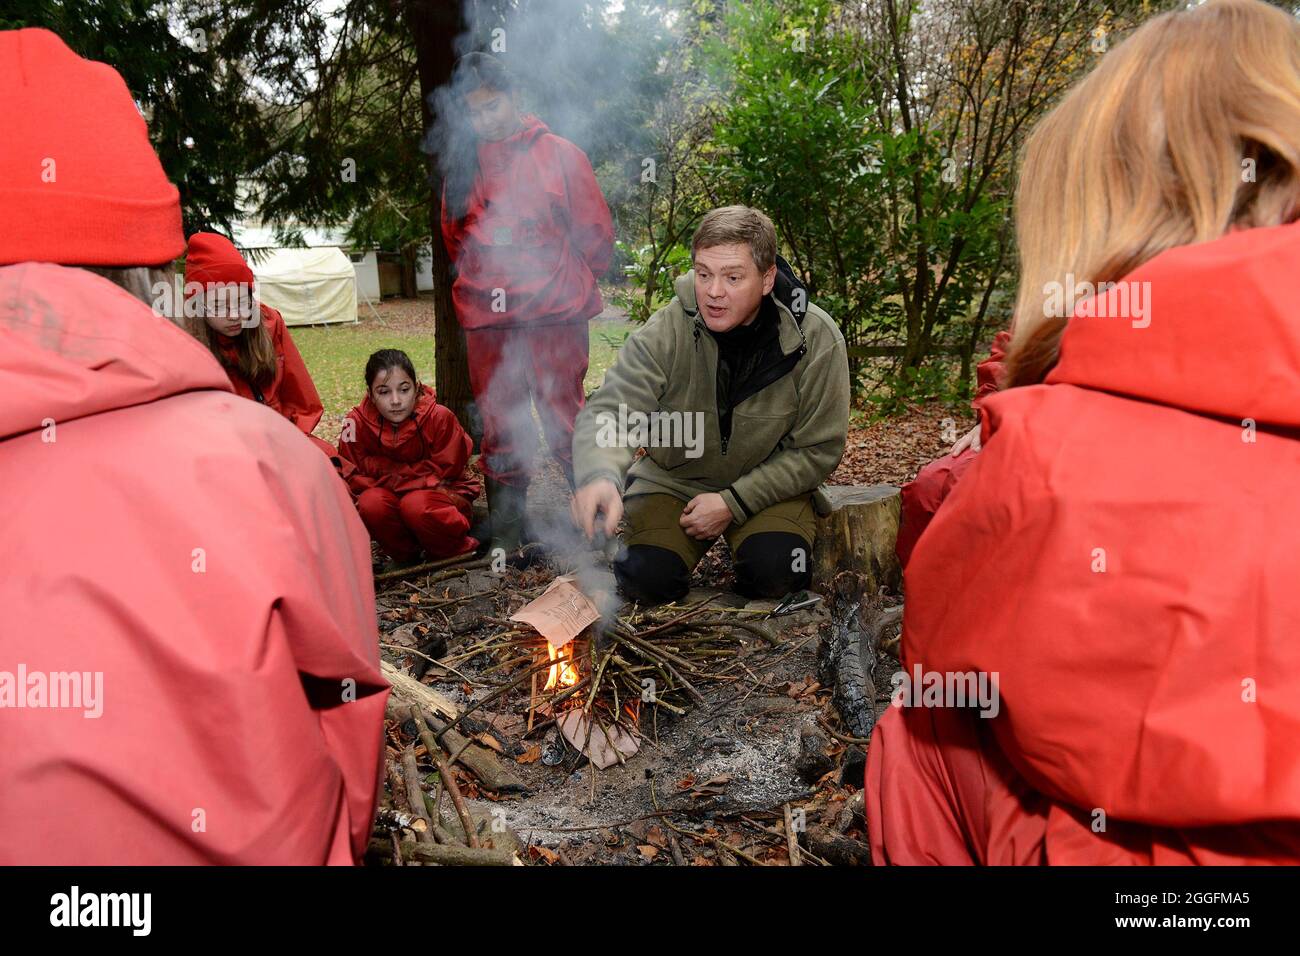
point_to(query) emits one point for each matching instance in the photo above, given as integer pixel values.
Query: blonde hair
(738, 224)
(1152, 150)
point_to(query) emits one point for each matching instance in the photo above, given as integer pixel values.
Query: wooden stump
(858, 535)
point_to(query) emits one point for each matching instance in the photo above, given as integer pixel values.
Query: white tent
(307, 286)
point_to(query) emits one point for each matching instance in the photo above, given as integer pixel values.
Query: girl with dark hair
(528, 230)
(408, 456)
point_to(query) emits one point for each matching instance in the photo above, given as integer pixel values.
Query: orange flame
(563, 673)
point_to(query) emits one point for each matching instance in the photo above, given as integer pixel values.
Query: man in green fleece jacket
(722, 415)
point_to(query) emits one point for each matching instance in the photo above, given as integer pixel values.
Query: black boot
(506, 505)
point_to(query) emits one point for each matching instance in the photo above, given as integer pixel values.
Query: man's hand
(706, 516)
(601, 496)
(969, 440)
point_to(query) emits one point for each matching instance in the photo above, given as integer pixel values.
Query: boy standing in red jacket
(528, 230)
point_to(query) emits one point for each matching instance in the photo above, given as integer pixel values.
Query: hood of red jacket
(497, 152)
(1210, 328)
(368, 415)
(74, 344)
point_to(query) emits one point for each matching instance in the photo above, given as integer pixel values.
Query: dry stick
(595, 681)
(460, 855)
(532, 701)
(808, 856)
(432, 660)
(498, 693)
(690, 688)
(396, 785)
(752, 627)
(791, 841)
(415, 795)
(434, 750)
(716, 843)
(691, 612)
(660, 652)
(842, 737)
(433, 566)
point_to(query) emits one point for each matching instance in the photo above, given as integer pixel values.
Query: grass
(336, 354)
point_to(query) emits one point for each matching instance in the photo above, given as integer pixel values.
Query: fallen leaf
(541, 853)
(487, 740)
(531, 755)
(648, 851)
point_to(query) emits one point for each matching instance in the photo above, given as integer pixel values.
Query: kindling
(83, 690)
(103, 909)
(947, 689)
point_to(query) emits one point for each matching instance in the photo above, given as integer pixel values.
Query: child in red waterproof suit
(528, 230)
(247, 337)
(407, 455)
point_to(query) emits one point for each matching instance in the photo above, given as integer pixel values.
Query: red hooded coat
(189, 547)
(1138, 512)
(428, 450)
(535, 236)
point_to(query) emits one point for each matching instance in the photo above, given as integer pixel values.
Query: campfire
(594, 677)
(564, 667)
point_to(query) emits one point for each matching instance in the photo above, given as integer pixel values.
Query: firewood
(458, 855)
(415, 795)
(414, 714)
(837, 849)
(410, 691)
(491, 772)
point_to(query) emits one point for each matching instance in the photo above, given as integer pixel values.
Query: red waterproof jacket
(428, 450)
(1138, 516)
(192, 550)
(535, 236)
(922, 496)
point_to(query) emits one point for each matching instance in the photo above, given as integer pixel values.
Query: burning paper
(560, 614)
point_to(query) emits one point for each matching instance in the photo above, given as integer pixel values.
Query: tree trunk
(858, 535)
(435, 26)
(410, 288)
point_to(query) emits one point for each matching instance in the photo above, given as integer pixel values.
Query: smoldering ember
(647, 433)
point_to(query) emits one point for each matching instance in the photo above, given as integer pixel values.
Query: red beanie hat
(80, 183)
(214, 258)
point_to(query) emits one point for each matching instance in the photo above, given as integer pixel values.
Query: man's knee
(649, 574)
(771, 564)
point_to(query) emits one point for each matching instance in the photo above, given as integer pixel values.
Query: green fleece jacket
(785, 440)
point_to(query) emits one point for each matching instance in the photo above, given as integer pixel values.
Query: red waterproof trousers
(430, 519)
(512, 369)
